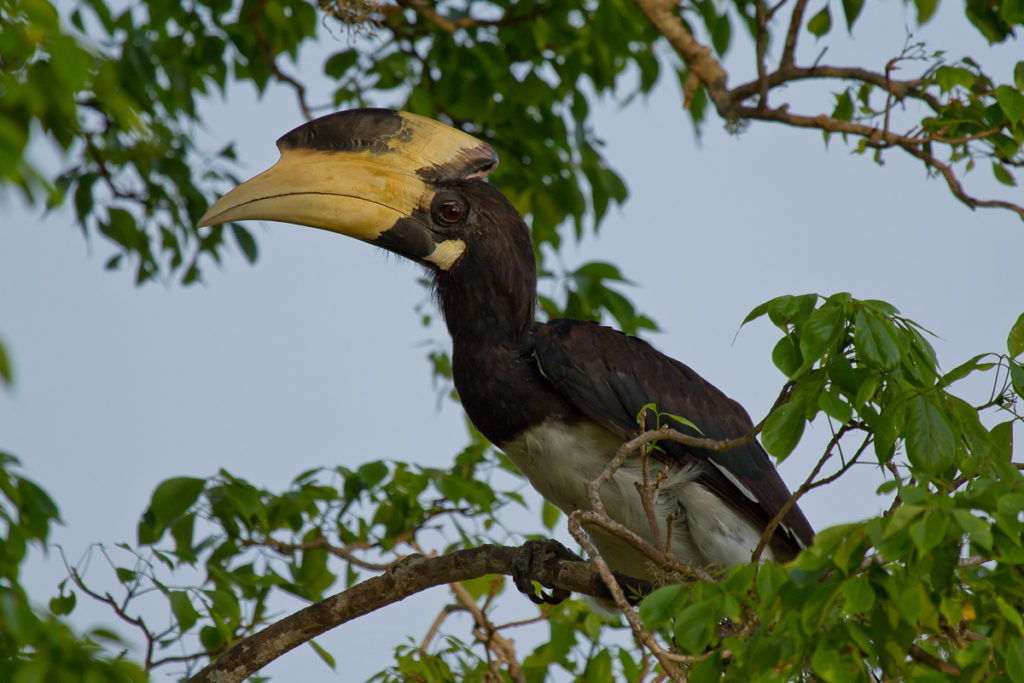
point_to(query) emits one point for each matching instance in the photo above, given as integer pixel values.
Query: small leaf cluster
(35, 646)
(329, 525)
(985, 118)
(931, 588)
(117, 91)
(862, 364)
(580, 647)
(588, 297)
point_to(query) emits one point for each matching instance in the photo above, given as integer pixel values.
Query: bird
(559, 397)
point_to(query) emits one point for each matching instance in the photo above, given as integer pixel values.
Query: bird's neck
(489, 312)
(491, 297)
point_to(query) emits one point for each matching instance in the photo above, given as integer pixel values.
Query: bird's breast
(560, 458)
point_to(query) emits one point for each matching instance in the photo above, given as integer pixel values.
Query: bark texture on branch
(406, 577)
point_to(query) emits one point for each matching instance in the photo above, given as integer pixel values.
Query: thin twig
(639, 632)
(488, 635)
(931, 661)
(255, 13)
(810, 484)
(795, 21)
(321, 543)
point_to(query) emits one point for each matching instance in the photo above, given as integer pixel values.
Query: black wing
(611, 376)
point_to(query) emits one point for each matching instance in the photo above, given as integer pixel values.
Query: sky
(305, 358)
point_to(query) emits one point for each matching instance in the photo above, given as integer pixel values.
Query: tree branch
(795, 21)
(697, 56)
(411, 575)
(928, 659)
(956, 187)
(487, 633)
(705, 69)
(788, 74)
(809, 484)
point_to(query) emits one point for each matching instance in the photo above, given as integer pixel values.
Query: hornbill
(558, 398)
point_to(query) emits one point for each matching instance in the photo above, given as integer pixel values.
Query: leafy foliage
(35, 646)
(123, 103)
(935, 583)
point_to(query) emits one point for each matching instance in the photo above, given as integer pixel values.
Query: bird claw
(533, 556)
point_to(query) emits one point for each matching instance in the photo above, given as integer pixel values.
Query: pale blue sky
(307, 358)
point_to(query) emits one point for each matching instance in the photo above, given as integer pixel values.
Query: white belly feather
(559, 460)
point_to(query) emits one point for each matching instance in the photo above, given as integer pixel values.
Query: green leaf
(661, 605)
(1017, 377)
(37, 509)
(983, 15)
(1015, 659)
(681, 421)
(820, 331)
(181, 531)
(245, 242)
(370, 474)
(1011, 614)
(324, 654)
(340, 62)
(483, 585)
(786, 355)
(858, 594)
(631, 670)
(820, 23)
(844, 106)
(783, 429)
(63, 604)
(875, 340)
(964, 369)
(6, 377)
(757, 312)
(599, 667)
(1012, 12)
(707, 670)
(170, 500)
(835, 407)
(947, 77)
(225, 605)
(826, 661)
(721, 33)
(882, 307)
(599, 270)
(1018, 75)
(184, 612)
(1002, 433)
(1011, 101)
(696, 627)
(851, 10)
(925, 9)
(929, 531)
(211, 638)
(979, 531)
(549, 515)
(930, 442)
(1015, 340)
(1003, 175)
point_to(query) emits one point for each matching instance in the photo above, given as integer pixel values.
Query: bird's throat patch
(446, 253)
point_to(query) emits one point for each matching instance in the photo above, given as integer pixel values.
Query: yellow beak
(360, 173)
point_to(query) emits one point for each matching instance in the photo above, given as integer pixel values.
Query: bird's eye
(451, 212)
(449, 208)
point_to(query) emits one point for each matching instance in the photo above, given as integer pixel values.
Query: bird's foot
(534, 556)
